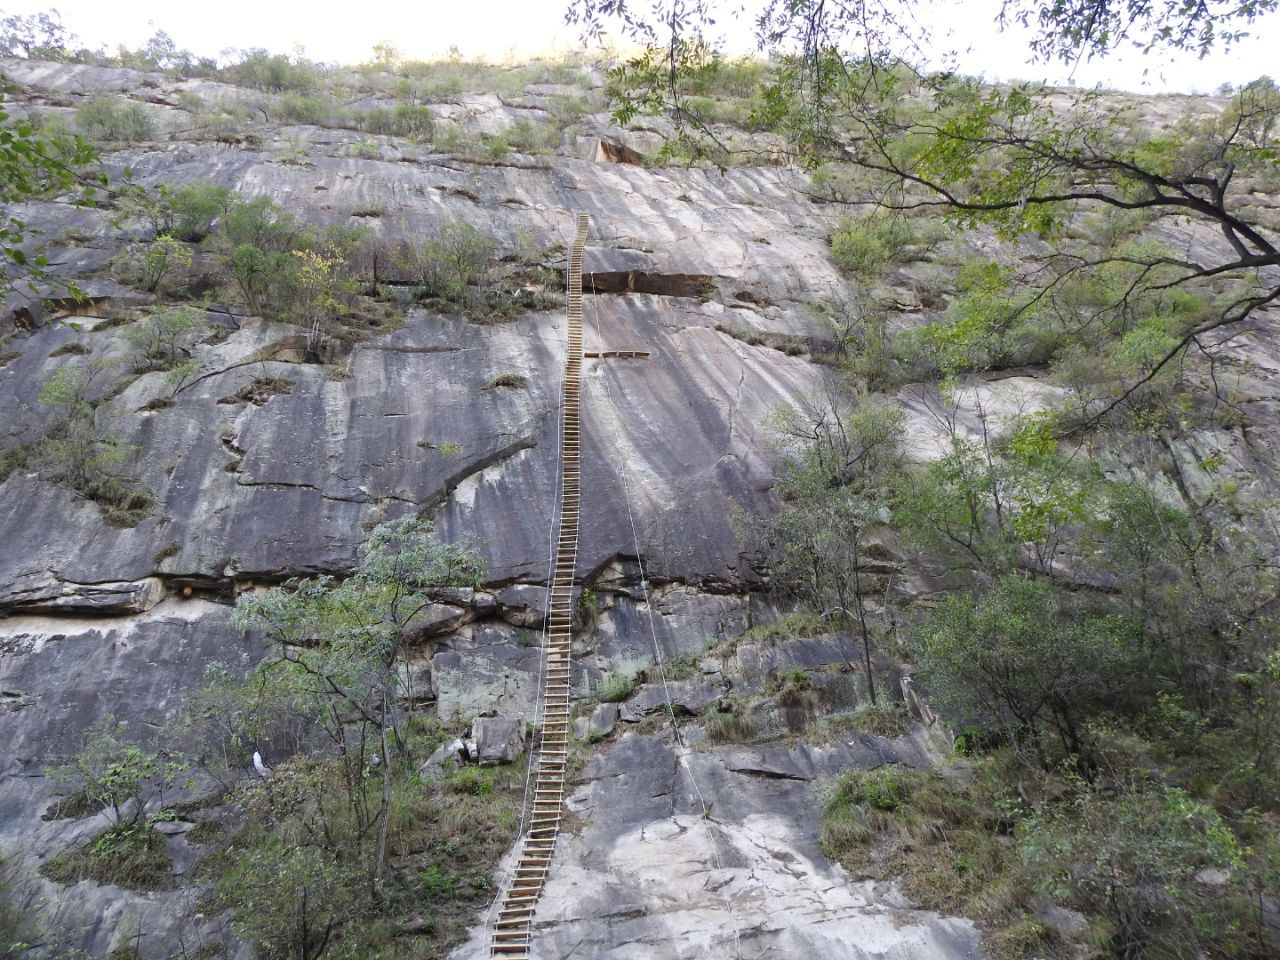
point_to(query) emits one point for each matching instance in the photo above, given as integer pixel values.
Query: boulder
(523, 604)
(492, 676)
(47, 594)
(603, 719)
(497, 740)
(610, 151)
(436, 620)
(447, 758)
(415, 681)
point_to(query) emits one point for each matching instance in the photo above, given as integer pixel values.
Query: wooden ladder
(512, 929)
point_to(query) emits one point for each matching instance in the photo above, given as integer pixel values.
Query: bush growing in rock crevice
(157, 341)
(129, 856)
(460, 272)
(108, 119)
(128, 783)
(864, 248)
(75, 452)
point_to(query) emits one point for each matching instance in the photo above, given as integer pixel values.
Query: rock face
(60, 675)
(497, 739)
(678, 849)
(650, 875)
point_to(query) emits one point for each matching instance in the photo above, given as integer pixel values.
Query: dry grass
(128, 855)
(951, 851)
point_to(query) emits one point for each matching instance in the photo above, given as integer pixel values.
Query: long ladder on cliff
(512, 929)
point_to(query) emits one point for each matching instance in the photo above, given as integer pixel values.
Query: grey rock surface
(47, 594)
(447, 758)
(647, 875)
(69, 672)
(707, 852)
(603, 719)
(497, 739)
(687, 698)
(493, 672)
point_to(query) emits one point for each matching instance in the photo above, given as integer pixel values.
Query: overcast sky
(497, 29)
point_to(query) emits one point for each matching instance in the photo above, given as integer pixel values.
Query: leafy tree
(254, 271)
(843, 435)
(195, 207)
(1203, 584)
(1132, 856)
(153, 262)
(108, 119)
(80, 455)
(455, 259)
(274, 73)
(841, 450)
(184, 212)
(37, 36)
(863, 247)
(75, 388)
(1089, 28)
(336, 650)
(1027, 659)
(331, 707)
(121, 777)
(318, 288)
(160, 52)
(157, 340)
(291, 895)
(282, 269)
(992, 506)
(259, 222)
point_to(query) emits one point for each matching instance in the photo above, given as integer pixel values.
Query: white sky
(346, 31)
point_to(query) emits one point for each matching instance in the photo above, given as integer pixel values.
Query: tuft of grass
(946, 846)
(885, 719)
(1025, 936)
(513, 380)
(123, 504)
(472, 781)
(206, 831)
(70, 349)
(616, 687)
(132, 856)
(74, 806)
(795, 689)
(790, 627)
(731, 726)
(16, 458)
(260, 391)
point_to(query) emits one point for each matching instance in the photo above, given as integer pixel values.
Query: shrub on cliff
(344, 839)
(76, 453)
(108, 119)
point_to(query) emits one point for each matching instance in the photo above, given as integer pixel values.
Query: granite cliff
(271, 459)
